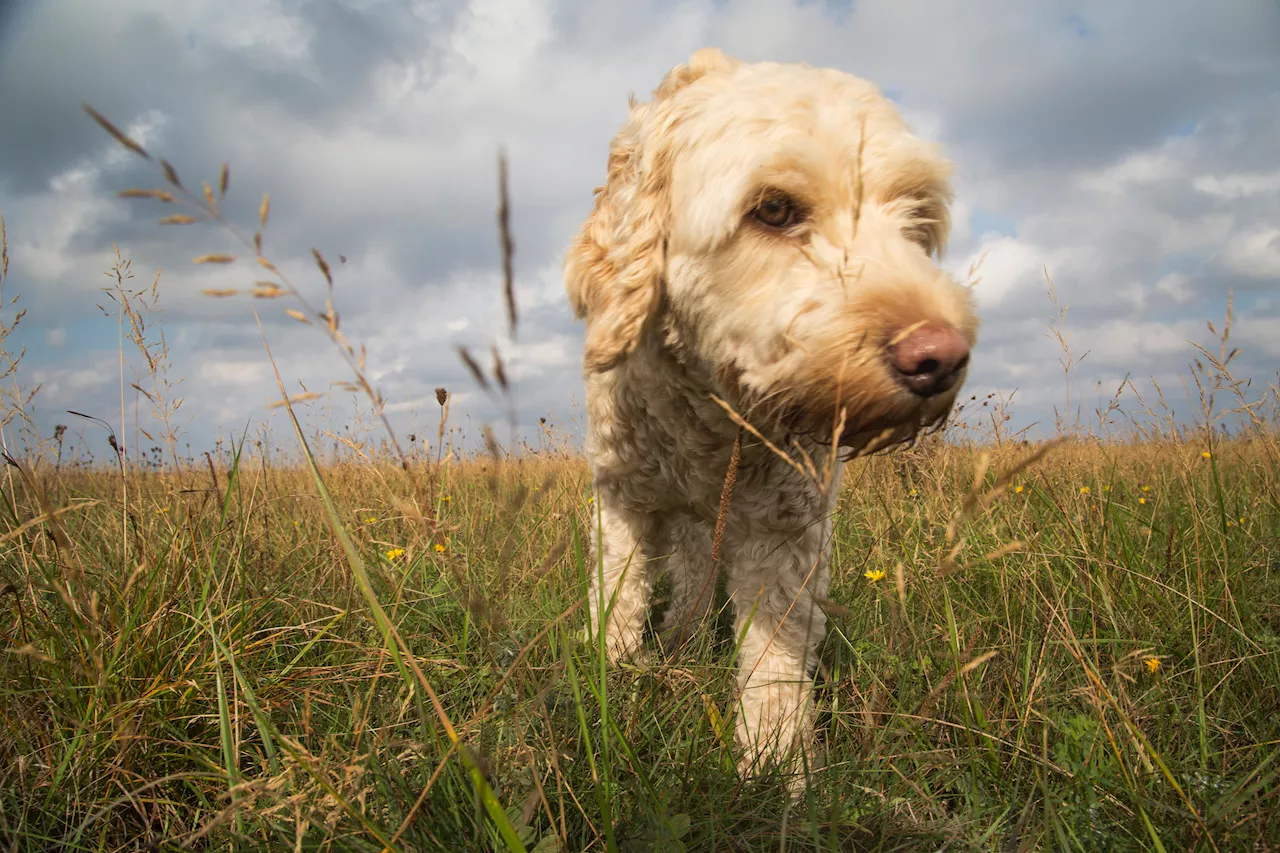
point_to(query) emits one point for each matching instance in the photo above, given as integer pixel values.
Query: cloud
(1255, 254)
(1128, 150)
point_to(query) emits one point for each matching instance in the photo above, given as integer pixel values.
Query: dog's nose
(928, 361)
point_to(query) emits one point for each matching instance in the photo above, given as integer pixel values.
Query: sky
(1128, 151)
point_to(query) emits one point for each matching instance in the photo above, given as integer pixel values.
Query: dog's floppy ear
(614, 268)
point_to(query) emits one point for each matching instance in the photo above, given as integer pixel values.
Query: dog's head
(782, 222)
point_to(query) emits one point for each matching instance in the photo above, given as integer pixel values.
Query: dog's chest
(659, 440)
(658, 436)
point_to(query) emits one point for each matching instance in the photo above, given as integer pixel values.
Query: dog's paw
(792, 770)
(790, 757)
(618, 649)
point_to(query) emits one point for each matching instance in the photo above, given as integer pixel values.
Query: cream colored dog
(764, 236)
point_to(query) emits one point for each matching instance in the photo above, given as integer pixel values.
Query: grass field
(199, 658)
(376, 652)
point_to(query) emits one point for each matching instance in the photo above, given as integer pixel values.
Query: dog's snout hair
(766, 234)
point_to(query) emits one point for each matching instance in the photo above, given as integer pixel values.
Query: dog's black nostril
(926, 367)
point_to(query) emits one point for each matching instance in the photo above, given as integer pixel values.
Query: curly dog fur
(766, 239)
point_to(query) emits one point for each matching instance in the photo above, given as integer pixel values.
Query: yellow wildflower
(1152, 663)
(1204, 454)
(1106, 488)
(439, 547)
(162, 510)
(1017, 490)
(1084, 490)
(913, 493)
(395, 553)
(874, 575)
(591, 499)
(370, 520)
(1146, 488)
(447, 498)
(1142, 500)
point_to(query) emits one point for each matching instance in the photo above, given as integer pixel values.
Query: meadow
(374, 642)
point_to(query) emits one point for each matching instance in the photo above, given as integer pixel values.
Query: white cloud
(495, 42)
(1138, 168)
(1120, 343)
(1174, 285)
(1004, 265)
(1254, 254)
(67, 387)
(1257, 336)
(555, 355)
(1239, 184)
(234, 373)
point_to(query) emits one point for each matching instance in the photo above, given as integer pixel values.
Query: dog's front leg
(775, 582)
(620, 581)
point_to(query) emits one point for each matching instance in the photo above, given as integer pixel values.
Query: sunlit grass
(1119, 669)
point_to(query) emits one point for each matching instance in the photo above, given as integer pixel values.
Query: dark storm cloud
(206, 90)
(128, 60)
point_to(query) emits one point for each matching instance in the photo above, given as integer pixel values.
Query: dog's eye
(776, 212)
(920, 235)
(919, 226)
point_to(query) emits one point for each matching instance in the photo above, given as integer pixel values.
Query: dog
(762, 299)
